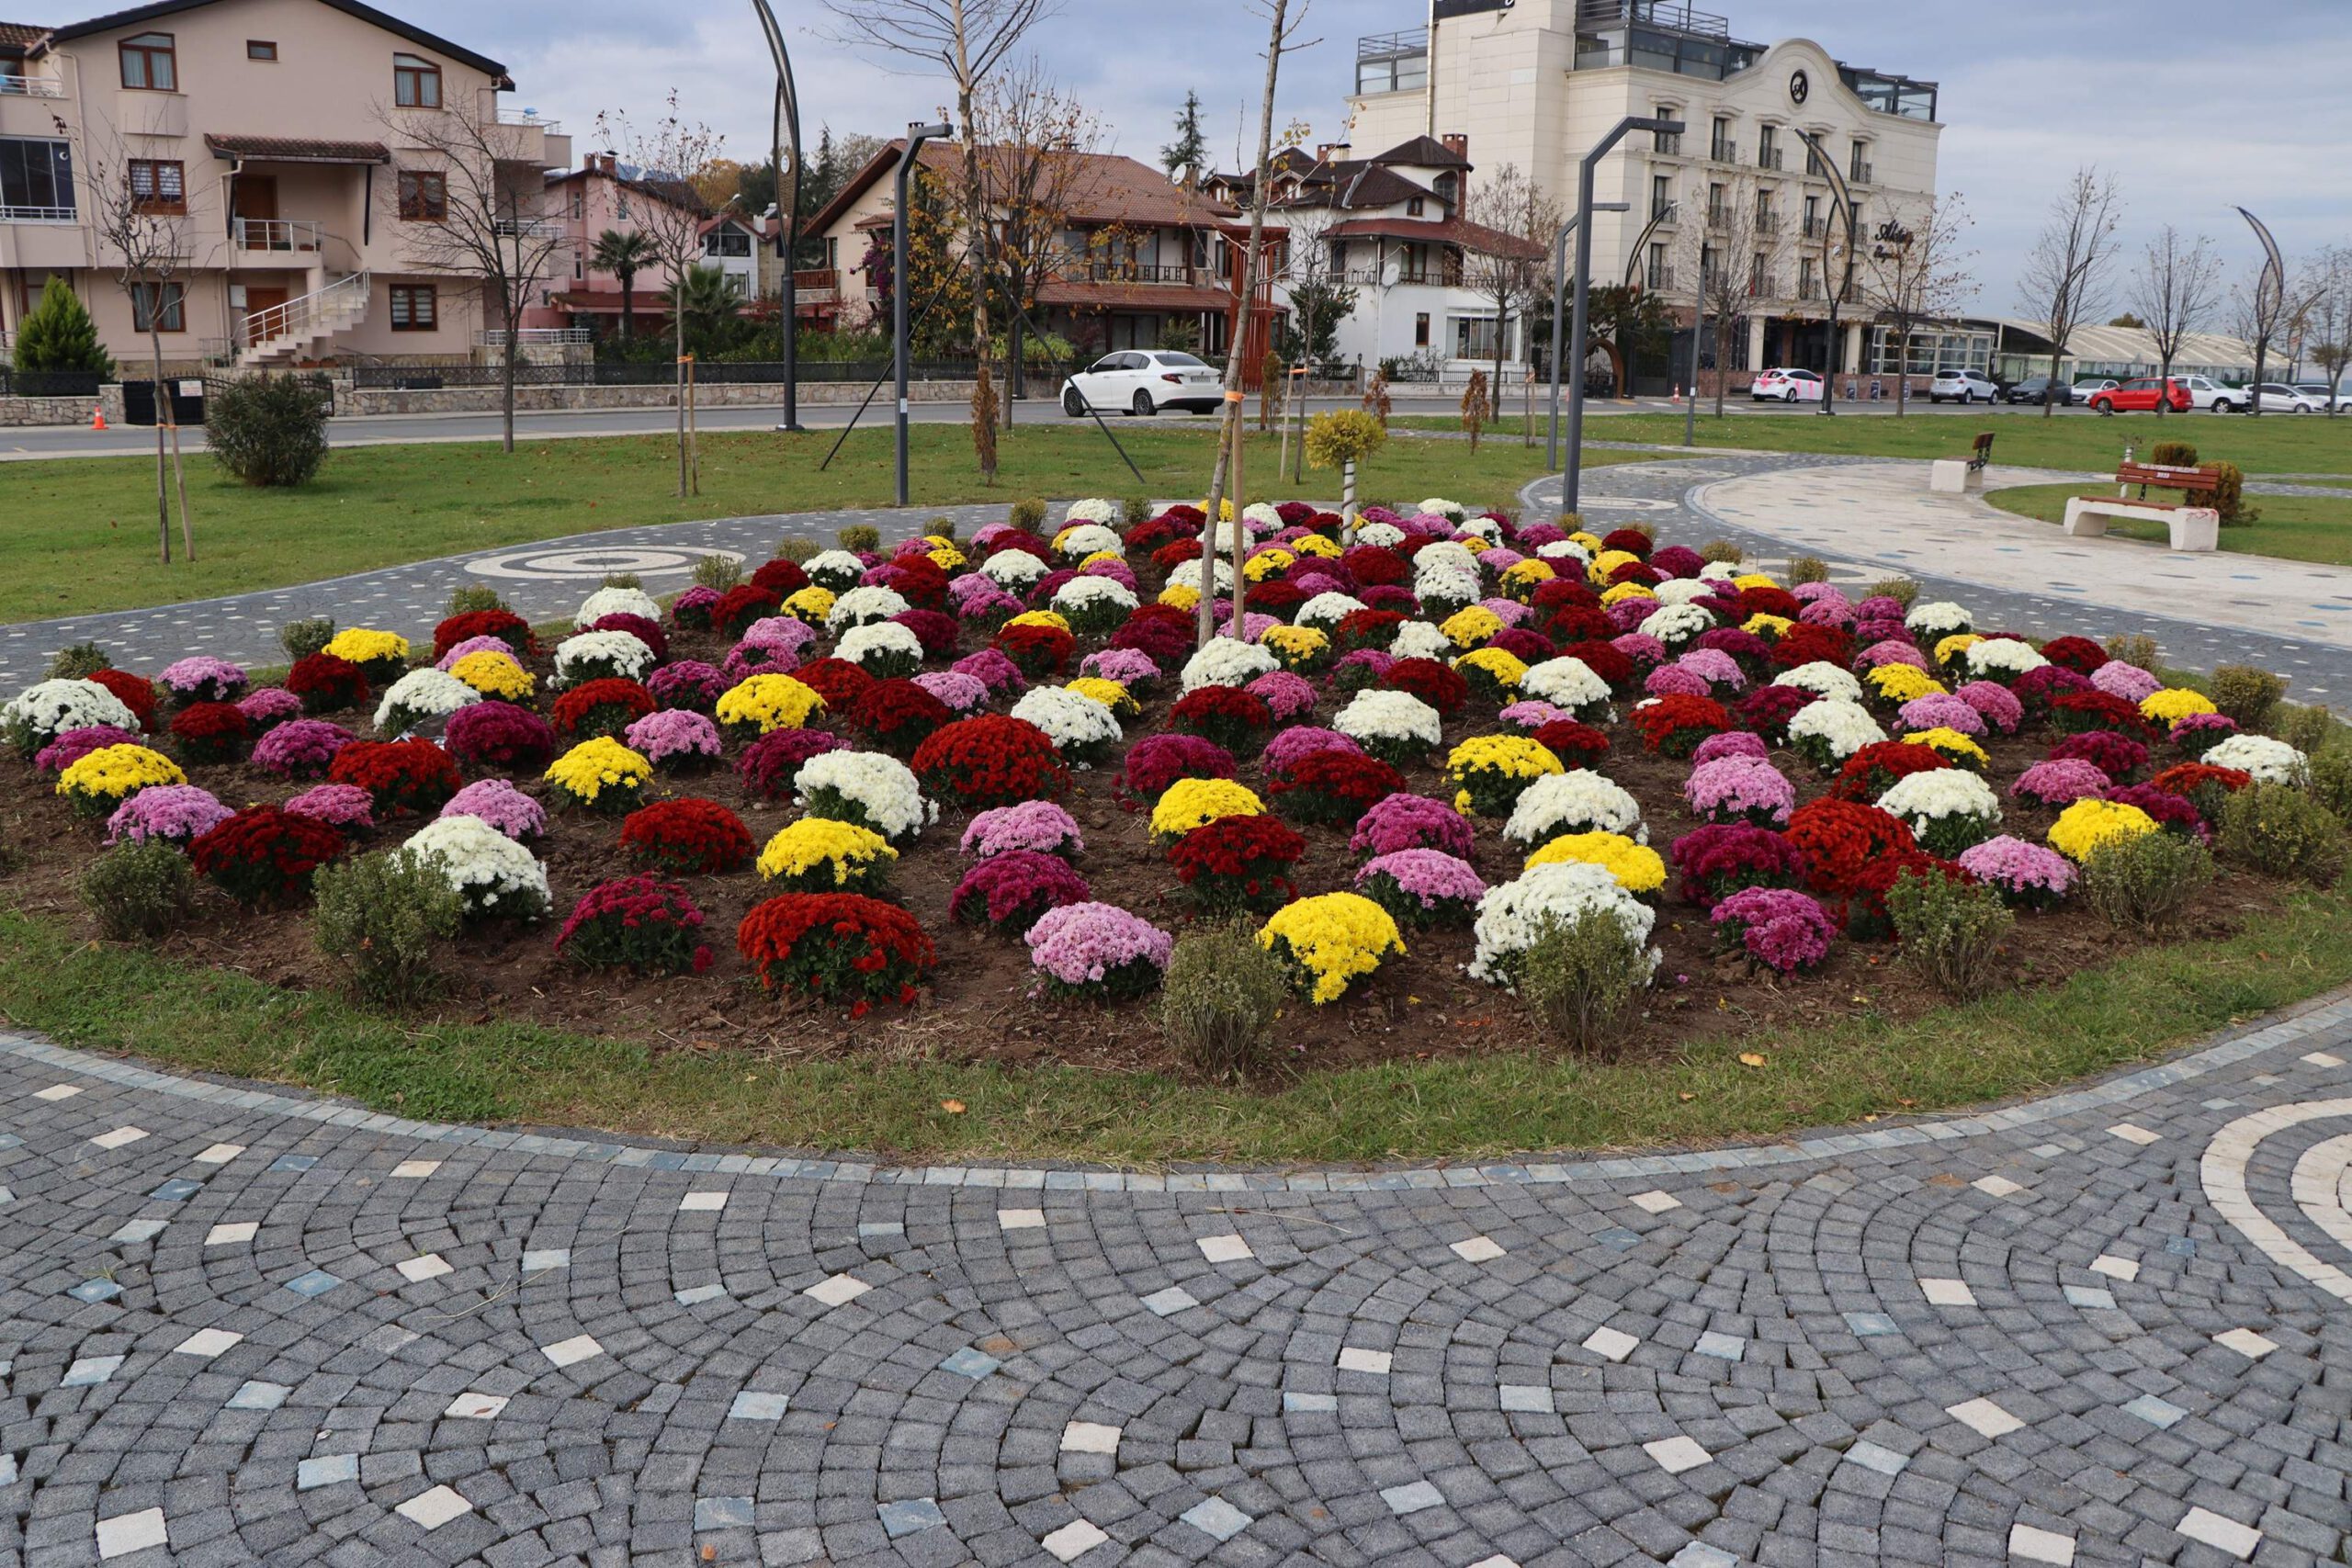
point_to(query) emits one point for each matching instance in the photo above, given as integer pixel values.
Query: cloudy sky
(2197, 107)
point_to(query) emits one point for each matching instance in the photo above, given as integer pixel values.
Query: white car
(2319, 393)
(1143, 381)
(1961, 386)
(2280, 398)
(2204, 393)
(1786, 385)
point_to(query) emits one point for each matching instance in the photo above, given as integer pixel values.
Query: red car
(2143, 396)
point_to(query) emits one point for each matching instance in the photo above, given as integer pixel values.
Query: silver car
(1956, 386)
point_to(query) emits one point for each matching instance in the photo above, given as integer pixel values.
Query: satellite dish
(1390, 271)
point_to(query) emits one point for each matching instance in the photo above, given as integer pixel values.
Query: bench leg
(2082, 522)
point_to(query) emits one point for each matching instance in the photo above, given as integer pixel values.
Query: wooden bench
(1953, 476)
(2190, 527)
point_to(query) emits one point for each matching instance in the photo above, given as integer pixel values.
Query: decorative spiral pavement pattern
(2106, 1328)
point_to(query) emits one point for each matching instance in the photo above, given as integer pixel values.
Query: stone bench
(1955, 476)
(2190, 527)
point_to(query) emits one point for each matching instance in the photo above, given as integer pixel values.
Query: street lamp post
(1559, 304)
(1571, 475)
(784, 157)
(2269, 305)
(916, 136)
(1844, 197)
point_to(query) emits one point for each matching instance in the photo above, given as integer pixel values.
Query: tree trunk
(1723, 325)
(2163, 376)
(678, 372)
(2050, 394)
(163, 414)
(978, 243)
(1902, 370)
(506, 381)
(2254, 388)
(167, 419)
(629, 307)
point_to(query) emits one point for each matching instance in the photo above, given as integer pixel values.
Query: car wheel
(1789, 396)
(1142, 404)
(2223, 405)
(1073, 405)
(2101, 407)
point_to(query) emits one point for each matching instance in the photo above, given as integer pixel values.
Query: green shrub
(1902, 590)
(471, 598)
(138, 892)
(1135, 509)
(1569, 522)
(58, 333)
(1712, 550)
(2144, 881)
(1219, 999)
(2134, 648)
(2331, 782)
(718, 573)
(269, 431)
(78, 661)
(2173, 454)
(622, 580)
(1028, 512)
(939, 527)
(2245, 694)
(1579, 978)
(1807, 569)
(2307, 728)
(2227, 495)
(2281, 831)
(387, 916)
(859, 538)
(1951, 931)
(795, 549)
(306, 636)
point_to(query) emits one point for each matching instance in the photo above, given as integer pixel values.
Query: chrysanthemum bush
(836, 948)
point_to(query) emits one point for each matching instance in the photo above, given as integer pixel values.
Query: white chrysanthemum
(1514, 916)
(1940, 616)
(1227, 661)
(1444, 582)
(1380, 535)
(1261, 517)
(861, 643)
(1486, 528)
(2002, 656)
(1579, 801)
(881, 787)
(48, 709)
(622, 654)
(1187, 574)
(834, 569)
(1438, 506)
(1016, 570)
(1719, 571)
(1082, 592)
(1677, 624)
(1681, 590)
(1823, 679)
(616, 601)
(1420, 639)
(1566, 681)
(863, 607)
(1327, 609)
(1072, 720)
(420, 697)
(1092, 509)
(1083, 539)
(1920, 799)
(1843, 727)
(487, 868)
(1390, 716)
(2269, 761)
(1444, 555)
(1564, 549)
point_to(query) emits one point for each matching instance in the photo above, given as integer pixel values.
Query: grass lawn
(78, 536)
(2293, 527)
(2132, 1009)
(2270, 445)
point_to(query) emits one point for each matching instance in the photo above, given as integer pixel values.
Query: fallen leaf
(1751, 1059)
(1690, 1097)
(953, 1106)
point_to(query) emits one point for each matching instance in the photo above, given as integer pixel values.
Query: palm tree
(624, 255)
(708, 299)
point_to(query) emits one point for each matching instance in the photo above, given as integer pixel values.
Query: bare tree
(2327, 316)
(487, 230)
(2171, 291)
(970, 39)
(1917, 273)
(1732, 248)
(2267, 312)
(143, 238)
(1320, 297)
(670, 215)
(2065, 279)
(1507, 224)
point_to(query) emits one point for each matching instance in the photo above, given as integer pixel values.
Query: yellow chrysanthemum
(2083, 827)
(1637, 868)
(1501, 666)
(1268, 563)
(1471, 625)
(1316, 545)
(1334, 938)
(1604, 565)
(1180, 596)
(1951, 745)
(1224, 508)
(1110, 693)
(1753, 579)
(1298, 648)
(1102, 558)
(1624, 590)
(2173, 703)
(948, 557)
(494, 675)
(1476, 544)
(1902, 683)
(106, 777)
(1764, 626)
(595, 772)
(1590, 541)
(812, 604)
(1038, 618)
(1520, 581)
(1189, 803)
(769, 703)
(1949, 649)
(817, 854)
(361, 646)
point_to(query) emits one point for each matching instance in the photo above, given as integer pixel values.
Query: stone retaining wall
(541, 400)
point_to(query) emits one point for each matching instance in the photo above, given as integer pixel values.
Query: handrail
(297, 318)
(278, 235)
(492, 337)
(31, 87)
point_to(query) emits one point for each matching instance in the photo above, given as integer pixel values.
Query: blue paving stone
(257, 1395)
(325, 1471)
(970, 1364)
(178, 1189)
(2161, 1413)
(722, 1513)
(1217, 1518)
(317, 1283)
(1617, 1238)
(907, 1518)
(293, 1163)
(1868, 1325)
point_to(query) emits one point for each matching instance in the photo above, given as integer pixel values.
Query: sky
(2196, 106)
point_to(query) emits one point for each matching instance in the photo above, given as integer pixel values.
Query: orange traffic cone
(99, 418)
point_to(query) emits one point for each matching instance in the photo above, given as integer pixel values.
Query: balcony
(816, 285)
(527, 228)
(1724, 152)
(1768, 158)
(1667, 141)
(295, 235)
(1664, 212)
(527, 337)
(36, 215)
(1767, 223)
(522, 136)
(1444, 274)
(1767, 285)
(31, 87)
(1143, 272)
(1861, 174)
(1718, 218)
(1809, 288)
(1817, 228)
(1659, 280)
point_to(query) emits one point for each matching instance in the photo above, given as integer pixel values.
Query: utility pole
(916, 136)
(1559, 306)
(1571, 474)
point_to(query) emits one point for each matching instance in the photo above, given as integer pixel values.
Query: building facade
(601, 197)
(298, 150)
(1538, 83)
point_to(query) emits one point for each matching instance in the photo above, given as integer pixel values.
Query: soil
(979, 1008)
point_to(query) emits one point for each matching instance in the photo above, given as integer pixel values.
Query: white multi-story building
(1538, 83)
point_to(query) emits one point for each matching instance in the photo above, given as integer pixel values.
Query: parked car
(2204, 392)
(2140, 395)
(1786, 385)
(2037, 389)
(1962, 386)
(2085, 385)
(2280, 398)
(2323, 394)
(1143, 381)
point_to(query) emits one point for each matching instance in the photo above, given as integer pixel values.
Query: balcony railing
(36, 215)
(1667, 141)
(816, 284)
(31, 87)
(1725, 151)
(490, 337)
(1719, 219)
(1768, 157)
(1861, 174)
(1766, 286)
(1817, 228)
(277, 234)
(1768, 222)
(1664, 212)
(1809, 288)
(527, 228)
(1659, 279)
(527, 118)
(1141, 272)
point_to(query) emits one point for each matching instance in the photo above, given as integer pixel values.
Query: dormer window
(417, 82)
(150, 62)
(1413, 206)
(1445, 186)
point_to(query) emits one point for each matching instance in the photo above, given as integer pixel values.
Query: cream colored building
(1538, 83)
(289, 142)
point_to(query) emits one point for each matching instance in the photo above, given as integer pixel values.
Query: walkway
(2108, 1327)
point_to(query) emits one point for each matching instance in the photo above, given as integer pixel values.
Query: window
(579, 204)
(1445, 186)
(1661, 195)
(1665, 141)
(1414, 207)
(261, 49)
(417, 82)
(727, 242)
(1421, 328)
(1807, 288)
(579, 263)
(158, 184)
(148, 62)
(1474, 337)
(1755, 279)
(1858, 168)
(416, 307)
(158, 307)
(424, 195)
(35, 179)
(1767, 147)
(1660, 275)
(1722, 149)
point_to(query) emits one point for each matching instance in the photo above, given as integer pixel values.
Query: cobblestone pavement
(2108, 1327)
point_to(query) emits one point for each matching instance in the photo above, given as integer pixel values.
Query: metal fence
(48, 383)
(648, 373)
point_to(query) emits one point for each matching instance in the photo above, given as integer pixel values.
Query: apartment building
(603, 196)
(1538, 83)
(292, 143)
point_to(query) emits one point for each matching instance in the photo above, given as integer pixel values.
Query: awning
(297, 150)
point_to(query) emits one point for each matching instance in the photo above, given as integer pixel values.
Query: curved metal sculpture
(784, 151)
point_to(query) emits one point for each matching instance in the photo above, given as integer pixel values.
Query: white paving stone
(1655, 1202)
(2115, 1267)
(1526, 1398)
(1073, 1541)
(1020, 1219)
(2132, 1132)
(219, 1154)
(572, 1351)
(121, 1138)
(1478, 1249)
(1947, 1293)
(58, 1091)
(1357, 1359)
(205, 1343)
(1986, 1419)
(433, 1508)
(126, 1533)
(2031, 1544)
(1225, 1249)
(837, 1290)
(1611, 1344)
(2218, 1532)
(1090, 1438)
(1677, 1454)
(429, 1266)
(415, 1170)
(2246, 1343)
(702, 1202)
(229, 1232)
(1996, 1186)
(472, 1406)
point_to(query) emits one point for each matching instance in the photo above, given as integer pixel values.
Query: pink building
(586, 202)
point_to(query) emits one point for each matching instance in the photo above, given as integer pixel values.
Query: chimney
(1456, 143)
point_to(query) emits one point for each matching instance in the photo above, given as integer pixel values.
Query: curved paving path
(2102, 1328)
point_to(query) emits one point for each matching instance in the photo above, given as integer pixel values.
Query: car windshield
(1182, 359)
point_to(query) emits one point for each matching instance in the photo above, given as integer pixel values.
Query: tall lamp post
(1844, 197)
(1559, 304)
(784, 157)
(1572, 474)
(916, 136)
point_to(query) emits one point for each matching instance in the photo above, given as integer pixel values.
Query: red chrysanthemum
(401, 775)
(263, 855)
(836, 947)
(601, 708)
(504, 625)
(687, 837)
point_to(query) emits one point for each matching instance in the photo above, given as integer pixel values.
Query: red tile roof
(1451, 231)
(14, 36)
(1148, 297)
(1105, 189)
(297, 150)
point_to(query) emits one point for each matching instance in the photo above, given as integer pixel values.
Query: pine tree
(60, 335)
(1191, 148)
